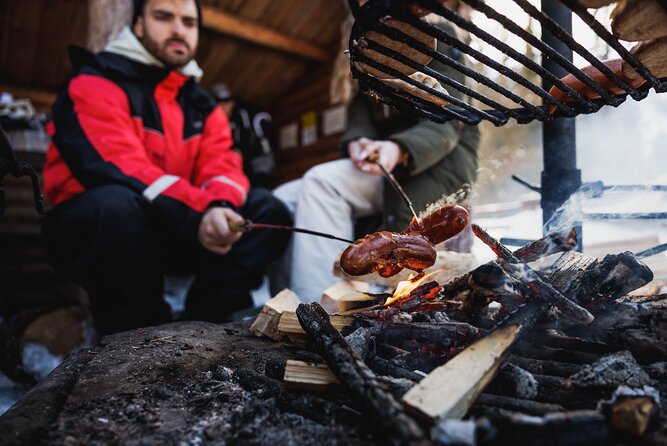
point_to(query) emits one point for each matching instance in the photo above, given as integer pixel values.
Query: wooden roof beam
(230, 25)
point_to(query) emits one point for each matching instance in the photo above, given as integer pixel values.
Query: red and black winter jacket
(148, 128)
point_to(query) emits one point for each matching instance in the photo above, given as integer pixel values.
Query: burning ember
(404, 288)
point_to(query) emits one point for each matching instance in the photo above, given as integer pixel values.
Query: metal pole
(560, 177)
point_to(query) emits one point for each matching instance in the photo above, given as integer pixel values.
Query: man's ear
(138, 27)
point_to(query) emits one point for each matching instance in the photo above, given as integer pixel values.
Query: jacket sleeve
(429, 142)
(100, 142)
(360, 123)
(219, 169)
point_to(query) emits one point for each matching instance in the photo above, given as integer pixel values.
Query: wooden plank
(228, 24)
(289, 323)
(268, 319)
(300, 375)
(334, 298)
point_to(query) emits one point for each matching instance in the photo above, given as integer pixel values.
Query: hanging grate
(368, 18)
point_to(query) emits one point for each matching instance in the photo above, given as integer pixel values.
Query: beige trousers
(328, 199)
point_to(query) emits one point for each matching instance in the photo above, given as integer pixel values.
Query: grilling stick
(248, 225)
(374, 157)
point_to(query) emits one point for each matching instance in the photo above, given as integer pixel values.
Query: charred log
(389, 421)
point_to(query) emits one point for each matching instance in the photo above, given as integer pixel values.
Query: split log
(450, 390)
(535, 283)
(543, 290)
(269, 318)
(553, 390)
(611, 371)
(390, 423)
(652, 54)
(516, 404)
(542, 367)
(346, 295)
(448, 334)
(362, 342)
(639, 328)
(631, 410)
(615, 276)
(354, 300)
(556, 339)
(580, 428)
(584, 428)
(639, 20)
(537, 351)
(289, 326)
(551, 244)
(384, 367)
(633, 415)
(308, 376)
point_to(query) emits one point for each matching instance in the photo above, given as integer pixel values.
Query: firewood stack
(502, 353)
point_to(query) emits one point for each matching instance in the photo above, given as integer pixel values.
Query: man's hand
(214, 232)
(388, 153)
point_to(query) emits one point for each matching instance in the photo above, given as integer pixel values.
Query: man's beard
(170, 59)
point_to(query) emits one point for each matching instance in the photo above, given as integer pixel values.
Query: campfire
(503, 353)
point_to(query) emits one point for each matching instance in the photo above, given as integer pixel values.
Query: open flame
(404, 288)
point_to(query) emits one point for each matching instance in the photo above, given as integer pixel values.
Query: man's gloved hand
(214, 232)
(388, 153)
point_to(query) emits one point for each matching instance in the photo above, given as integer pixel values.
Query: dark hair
(139, 6)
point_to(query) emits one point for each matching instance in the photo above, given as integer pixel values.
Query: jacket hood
(127, 45)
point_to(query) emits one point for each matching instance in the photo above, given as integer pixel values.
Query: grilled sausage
(388, 253)
(587, 92)
(441, 224)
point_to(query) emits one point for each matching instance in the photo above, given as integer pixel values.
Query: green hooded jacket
(443, 157)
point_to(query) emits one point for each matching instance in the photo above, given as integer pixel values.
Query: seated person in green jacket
(428, 159)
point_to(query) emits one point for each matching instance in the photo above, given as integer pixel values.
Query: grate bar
(615, 44)
(502, 69)
(532, 65)
(558, 31)
(439, 76)
(544, 48)
(398, 75)
(368, 17)
(443, 58)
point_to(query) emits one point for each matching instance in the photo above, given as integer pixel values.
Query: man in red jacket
(145, 183)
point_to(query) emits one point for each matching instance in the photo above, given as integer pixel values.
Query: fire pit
(437, 348)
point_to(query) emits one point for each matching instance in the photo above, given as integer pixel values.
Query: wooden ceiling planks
(35, 34)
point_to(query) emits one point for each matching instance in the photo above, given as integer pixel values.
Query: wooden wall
(311, 94)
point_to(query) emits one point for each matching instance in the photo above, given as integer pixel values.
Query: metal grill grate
(368, 19)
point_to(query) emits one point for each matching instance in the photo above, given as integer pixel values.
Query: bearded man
(144, 182)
